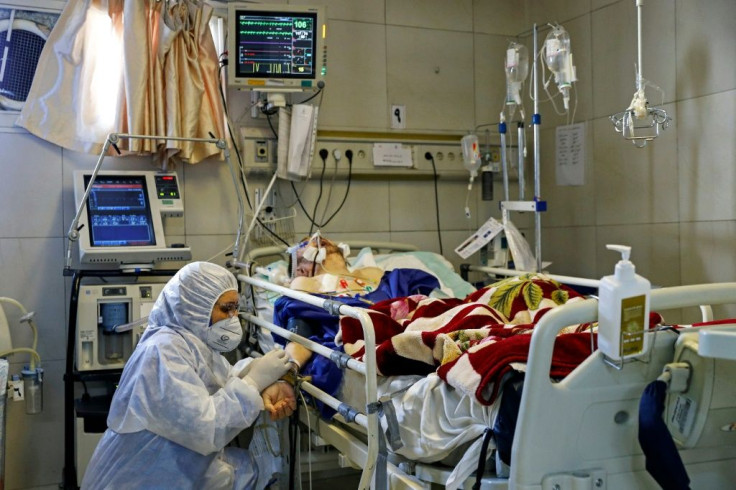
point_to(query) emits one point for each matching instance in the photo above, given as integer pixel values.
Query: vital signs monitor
(121, 222)
(276, 47)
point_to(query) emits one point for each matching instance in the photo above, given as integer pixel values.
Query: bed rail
(571, 280)
(258, 253)
(370, 420)
(551, 414)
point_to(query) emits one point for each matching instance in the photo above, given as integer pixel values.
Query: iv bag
(517, 69)
(471, 154)
(517, 63)
(558, 56)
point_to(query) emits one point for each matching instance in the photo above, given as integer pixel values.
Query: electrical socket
(262, 153)
(361, 154)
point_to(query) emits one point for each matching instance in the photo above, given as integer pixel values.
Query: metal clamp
(349, 413)
(340, 358)
(373, 407)
(332, 307)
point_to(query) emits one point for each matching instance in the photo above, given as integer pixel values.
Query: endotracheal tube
(558, 57)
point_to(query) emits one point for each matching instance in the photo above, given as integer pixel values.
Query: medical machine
(278, 48)
(121, 222)
(110, 320)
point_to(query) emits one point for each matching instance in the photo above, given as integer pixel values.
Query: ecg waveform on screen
(269, 46)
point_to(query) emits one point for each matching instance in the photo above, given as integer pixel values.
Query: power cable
(349, 156)
(323, 153)
(430, 157)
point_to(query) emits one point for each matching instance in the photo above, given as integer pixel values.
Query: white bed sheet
(436, 422)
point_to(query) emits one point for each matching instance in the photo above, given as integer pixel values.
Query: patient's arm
(298, 352)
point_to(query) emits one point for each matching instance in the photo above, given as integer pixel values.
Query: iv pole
(537, 205)
(536, 121)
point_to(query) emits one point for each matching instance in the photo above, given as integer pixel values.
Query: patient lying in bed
(321, 267)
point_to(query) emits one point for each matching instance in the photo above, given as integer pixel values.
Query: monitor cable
(430, 157)
(223, 63)
(323, 153)
(337, 156)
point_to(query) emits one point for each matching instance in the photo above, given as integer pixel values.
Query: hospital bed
(580, 432)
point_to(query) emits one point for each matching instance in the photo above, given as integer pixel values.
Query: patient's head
(318, 255)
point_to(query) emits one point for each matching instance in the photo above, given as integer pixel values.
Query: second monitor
(121, 222)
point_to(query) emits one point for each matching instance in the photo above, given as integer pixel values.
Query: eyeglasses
(229, 308)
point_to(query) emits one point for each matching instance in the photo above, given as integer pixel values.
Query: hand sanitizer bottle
(623, 310)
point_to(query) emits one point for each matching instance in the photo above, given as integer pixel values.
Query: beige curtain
(143, 67)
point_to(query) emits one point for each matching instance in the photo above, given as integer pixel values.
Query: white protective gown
(179, 402)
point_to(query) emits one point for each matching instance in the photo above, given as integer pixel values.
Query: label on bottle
(632, 325)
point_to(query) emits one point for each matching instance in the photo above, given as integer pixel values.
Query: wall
(672, 201)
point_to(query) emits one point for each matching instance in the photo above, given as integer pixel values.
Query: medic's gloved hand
(267, 369)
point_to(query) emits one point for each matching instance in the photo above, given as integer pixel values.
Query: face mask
(225, 335)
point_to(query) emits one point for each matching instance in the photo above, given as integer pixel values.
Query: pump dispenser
(623, 310)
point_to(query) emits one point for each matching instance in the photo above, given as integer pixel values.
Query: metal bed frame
(552, 416)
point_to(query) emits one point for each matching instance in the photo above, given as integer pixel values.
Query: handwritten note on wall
(570, 154)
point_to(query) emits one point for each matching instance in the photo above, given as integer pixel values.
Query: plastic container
(33, 388)
(623, 310)
(471, 154)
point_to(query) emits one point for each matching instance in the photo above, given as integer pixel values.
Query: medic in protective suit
(179, 401)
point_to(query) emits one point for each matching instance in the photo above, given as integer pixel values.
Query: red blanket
(472, 342)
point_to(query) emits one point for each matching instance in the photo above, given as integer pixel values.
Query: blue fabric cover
(663, 461)
(325, 374)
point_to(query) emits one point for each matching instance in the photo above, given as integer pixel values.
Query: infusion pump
(110, 322)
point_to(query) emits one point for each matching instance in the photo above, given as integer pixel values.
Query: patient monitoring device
(110, 321)
(121, 222)
(278, 48)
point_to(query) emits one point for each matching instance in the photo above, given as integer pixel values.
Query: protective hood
(187, 300)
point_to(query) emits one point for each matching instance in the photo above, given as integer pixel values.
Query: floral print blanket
(472, 342)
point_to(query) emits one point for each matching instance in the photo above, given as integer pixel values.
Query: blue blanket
(325, 374)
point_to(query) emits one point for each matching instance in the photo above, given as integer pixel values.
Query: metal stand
(536, 205)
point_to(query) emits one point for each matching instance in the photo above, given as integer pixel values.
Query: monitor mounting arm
(112, 140)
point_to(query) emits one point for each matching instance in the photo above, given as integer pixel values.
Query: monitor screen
(121, 221)
(275, 47)
(119, 212)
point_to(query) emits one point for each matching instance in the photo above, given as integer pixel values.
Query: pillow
(451, 284)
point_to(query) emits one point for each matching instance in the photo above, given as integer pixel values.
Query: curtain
(145, 67)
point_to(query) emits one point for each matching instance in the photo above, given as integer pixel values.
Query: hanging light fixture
(640, 122)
